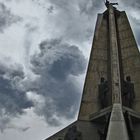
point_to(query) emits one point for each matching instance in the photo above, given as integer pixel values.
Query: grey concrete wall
(130, 56)
(97, 68)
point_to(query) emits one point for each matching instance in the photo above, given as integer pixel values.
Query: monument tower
(110, 105)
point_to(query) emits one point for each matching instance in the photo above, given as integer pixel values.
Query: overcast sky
(44, 51)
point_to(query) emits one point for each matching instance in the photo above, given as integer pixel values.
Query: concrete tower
(110, 105)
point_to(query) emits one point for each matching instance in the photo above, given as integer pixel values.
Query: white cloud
(30, 126)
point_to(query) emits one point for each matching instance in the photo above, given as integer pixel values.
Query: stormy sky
(44, 51)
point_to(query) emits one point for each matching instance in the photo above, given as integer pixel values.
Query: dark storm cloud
(6, 17)
(58, 64)
(13, 100)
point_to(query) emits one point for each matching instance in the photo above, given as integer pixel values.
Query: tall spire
(110, 104)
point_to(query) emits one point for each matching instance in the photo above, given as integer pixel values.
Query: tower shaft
(117, 129)
(114, 56)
